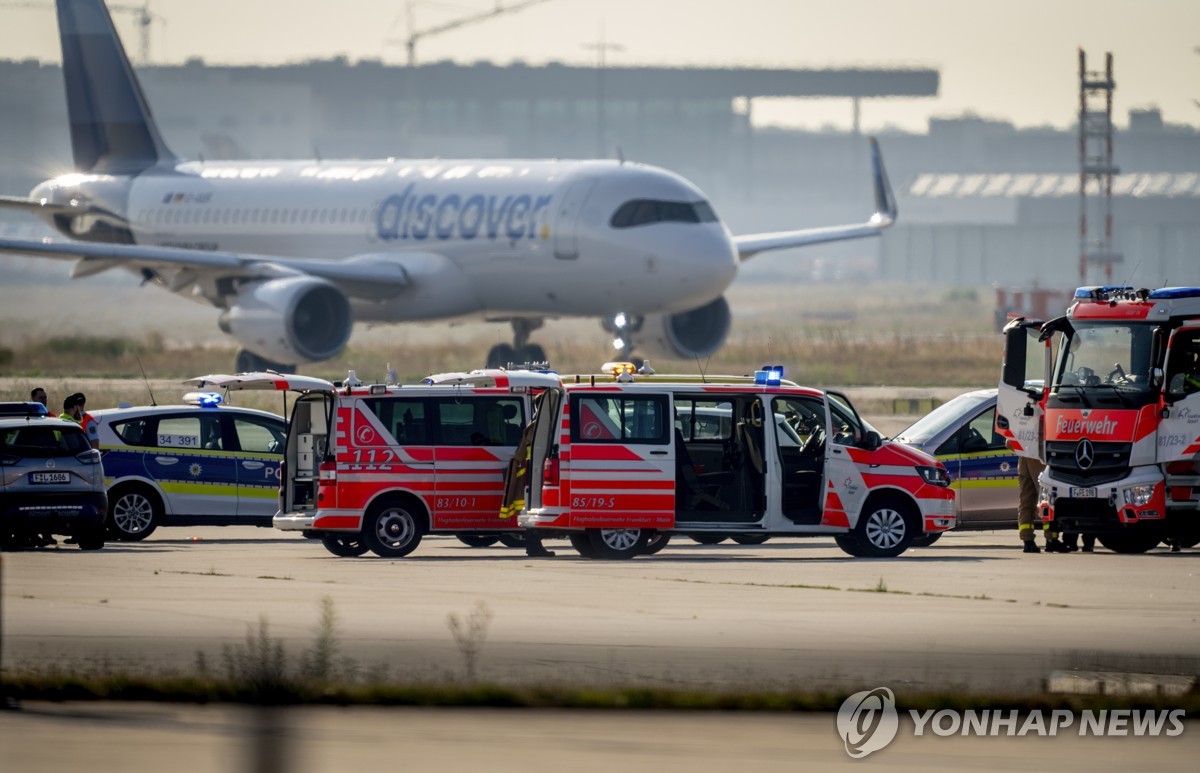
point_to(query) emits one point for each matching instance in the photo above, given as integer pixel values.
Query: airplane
(295, 252)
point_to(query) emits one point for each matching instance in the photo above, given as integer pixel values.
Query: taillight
(90, 456)
(327, 472)
(550, 471)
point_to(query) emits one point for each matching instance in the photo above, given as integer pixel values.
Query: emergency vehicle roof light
(203, 399)
(770, 375)
(378, 389)
(621, 371)
(1168, 293)
(23, 409)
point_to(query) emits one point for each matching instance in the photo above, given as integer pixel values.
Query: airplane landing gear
(623, 327)
(520, 351)
(249, 362)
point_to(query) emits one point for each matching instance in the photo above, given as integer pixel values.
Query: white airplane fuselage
(493, 238)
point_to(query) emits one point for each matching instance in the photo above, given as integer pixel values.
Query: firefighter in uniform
(516, 483)
(1028, 470)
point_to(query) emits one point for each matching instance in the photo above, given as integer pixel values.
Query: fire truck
(623, 457)
(375, 467)
(1114, 413)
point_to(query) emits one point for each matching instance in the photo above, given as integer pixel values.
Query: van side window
(608, 419)
(403, 417)
(479, 421)
(704, 420)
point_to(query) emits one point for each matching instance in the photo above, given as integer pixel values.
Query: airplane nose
(709, 258)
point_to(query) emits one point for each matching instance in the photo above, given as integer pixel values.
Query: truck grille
(1110, 462)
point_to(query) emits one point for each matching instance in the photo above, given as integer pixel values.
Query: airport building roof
(979, 186)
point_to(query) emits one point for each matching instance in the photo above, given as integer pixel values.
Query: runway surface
(971, 610)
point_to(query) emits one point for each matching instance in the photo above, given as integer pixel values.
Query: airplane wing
(885, 214)
(366, 276)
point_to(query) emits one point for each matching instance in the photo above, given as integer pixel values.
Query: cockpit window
(645, 211)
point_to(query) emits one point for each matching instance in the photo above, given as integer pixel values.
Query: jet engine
(686, 334)
(294, 319)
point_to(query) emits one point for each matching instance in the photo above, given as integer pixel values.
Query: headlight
(934, 476)
(1139, 495)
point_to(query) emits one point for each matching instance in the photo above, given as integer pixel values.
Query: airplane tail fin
(112, 131)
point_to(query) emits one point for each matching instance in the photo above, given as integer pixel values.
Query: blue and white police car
(202, 463)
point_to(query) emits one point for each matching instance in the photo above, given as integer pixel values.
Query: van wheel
(514, 540)
(926, 540)
(849, 545)
(884, 528)
(582, 544)
(345, 547)
(750, 539)
(478, 540)
(656, 543)
(393, 529)
(134, 512)
(1189, 542)
(1129, 542)
(617, 544)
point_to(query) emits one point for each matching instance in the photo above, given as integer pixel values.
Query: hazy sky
(1011, 59)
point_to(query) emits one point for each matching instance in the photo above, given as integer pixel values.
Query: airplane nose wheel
(521, 351)
(623, 327)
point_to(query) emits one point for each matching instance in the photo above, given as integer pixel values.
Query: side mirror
(1156, 378)
(871, 441)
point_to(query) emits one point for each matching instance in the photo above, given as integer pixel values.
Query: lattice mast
(1096, 168)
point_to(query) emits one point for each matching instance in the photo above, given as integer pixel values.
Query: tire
(582, 544)
(750, 539)
(134, 512)
(706, 538)
(617, 544)
(249, 362)
(656, 543)
(885, 528)
(500, 355)
(478, 540)
(1129, 542)
(850, 545)
(514, 540)
(1189, 542)
(393, 529)
(926, 540)
(349, 546)
(91, 538)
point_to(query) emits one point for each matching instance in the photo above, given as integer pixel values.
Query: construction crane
(416, 35)
(142, 15)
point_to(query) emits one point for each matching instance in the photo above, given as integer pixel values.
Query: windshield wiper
(1078, 389)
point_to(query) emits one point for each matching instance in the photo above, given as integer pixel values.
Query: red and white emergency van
(618, 459)
(376, 467)
(1117, 418)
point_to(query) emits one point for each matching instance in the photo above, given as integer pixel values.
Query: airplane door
(566, 218)
(1179, 429)
(1018, 408)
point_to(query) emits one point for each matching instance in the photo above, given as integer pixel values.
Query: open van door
(1179, 427)
(309, 428)
(844, 488)
(1022, 379)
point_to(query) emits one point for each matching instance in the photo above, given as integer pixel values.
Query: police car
(961, 434)
(201, 463)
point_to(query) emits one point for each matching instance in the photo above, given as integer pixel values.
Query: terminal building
(981, 202)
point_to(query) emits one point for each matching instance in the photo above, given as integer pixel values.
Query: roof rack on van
(497, 377)
(23, 409)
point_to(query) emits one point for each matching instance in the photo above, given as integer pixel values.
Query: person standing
(1028, 470)
(38, 395)
(74, 409)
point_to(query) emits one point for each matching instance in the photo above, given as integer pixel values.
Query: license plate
(49, 477)
(1083, 493)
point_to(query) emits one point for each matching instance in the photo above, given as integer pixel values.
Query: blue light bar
(770, 375)
(1168, 293)
(203, 399)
